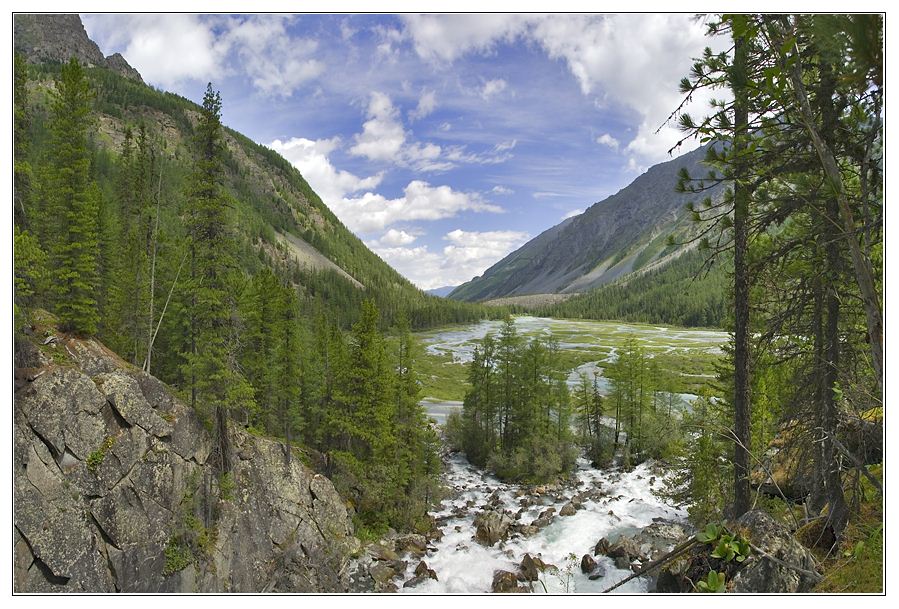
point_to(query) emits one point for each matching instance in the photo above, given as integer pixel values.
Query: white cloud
(382, 135)
(447, 37)
(385, 139)
(493, 87)
(501, 190)
(394, 238)
(171, 49)
(607, 140)
(573, 213)
(427, 103)
(311, 158)
(631, 60)
(468, 253)
(420, 201)
(166, 49)
(276, 63)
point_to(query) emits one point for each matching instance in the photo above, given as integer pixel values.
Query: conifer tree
(73, 204)
(216, 383)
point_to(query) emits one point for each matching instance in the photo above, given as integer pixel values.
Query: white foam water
(464, 566)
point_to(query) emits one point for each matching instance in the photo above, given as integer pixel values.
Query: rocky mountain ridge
(59, 37)
(621, 234)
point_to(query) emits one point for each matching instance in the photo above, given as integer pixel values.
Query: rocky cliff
(58, 38)
(114, 489)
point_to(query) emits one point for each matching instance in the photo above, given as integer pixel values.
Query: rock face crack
(113, 519)
(41, 566)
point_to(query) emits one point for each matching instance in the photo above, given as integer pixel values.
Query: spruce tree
(73, 204)
(216, 383)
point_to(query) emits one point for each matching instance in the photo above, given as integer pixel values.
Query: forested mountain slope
(268, 194)
(619, 235)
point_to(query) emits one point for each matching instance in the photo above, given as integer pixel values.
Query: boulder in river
(587, 564)
(530, 568)
(602, 547)
(506, 581)
(491, 526)
(422, 570)
(568, 510)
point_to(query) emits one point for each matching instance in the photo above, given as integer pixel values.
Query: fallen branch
(677, 551)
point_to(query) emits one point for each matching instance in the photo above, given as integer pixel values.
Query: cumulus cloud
(394, 238)
(447, 37)
(276, 63)
(467, 254)
(607, 140)
(170, 50)
(311, 158)
(501, 190)
(493, 87)
(382, 135)
(166, 49)
(373, 212)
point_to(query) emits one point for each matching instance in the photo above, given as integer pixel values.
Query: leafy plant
(727, 546)
(714, 582)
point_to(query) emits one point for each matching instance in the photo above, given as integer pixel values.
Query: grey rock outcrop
(114, 491)
(777, 564)
(59, 37)
(786, 566)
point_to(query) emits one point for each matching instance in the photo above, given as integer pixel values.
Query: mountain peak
(58, 38)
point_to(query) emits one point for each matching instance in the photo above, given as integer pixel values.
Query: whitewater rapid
(464, 566)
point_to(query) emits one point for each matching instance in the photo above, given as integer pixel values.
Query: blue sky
(444, 141)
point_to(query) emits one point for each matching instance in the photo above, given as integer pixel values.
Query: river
(622, 503)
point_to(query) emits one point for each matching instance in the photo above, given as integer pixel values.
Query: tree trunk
(864, 275)
(741, 285)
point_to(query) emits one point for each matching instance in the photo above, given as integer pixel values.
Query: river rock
(587, 564)
(602, 547)
(506, 581)
(568, 510)
(412, 543)
(422, 570)
(415, 581)
(598, 573)
(492, 526)
(530, 568)
(383, 551)
(111, 480)
(381, 572)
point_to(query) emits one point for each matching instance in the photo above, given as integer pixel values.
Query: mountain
(442, 292)
(624, 233)
(57, 38)
(280, 222)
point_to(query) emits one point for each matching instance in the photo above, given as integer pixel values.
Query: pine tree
(216, 383)
(73, 203)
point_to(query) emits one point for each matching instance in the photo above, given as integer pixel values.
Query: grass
(96, 458)
(858, 565)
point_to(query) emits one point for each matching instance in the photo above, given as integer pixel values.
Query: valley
(686, 356)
